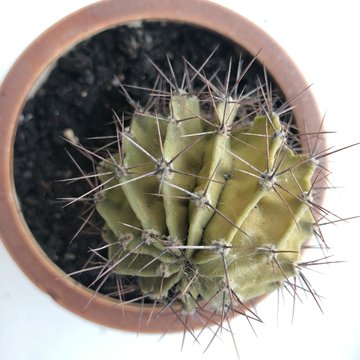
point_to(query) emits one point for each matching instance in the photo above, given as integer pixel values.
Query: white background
(322, 38)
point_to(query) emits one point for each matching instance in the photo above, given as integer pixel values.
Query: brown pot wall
(28, 70)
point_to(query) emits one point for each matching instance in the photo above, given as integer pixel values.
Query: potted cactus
(189, 186)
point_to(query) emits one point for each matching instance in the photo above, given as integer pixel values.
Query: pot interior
(81, 92)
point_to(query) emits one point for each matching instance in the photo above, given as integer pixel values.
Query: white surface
(322, 37)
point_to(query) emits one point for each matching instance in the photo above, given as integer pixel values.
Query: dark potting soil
(81, 94)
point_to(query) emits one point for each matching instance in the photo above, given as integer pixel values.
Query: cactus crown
(205, 202)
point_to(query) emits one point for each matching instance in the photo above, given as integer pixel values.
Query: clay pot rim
(37, 59)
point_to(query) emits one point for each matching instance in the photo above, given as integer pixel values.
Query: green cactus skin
(205, 209)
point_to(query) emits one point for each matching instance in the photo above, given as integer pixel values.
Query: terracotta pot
(24, 78)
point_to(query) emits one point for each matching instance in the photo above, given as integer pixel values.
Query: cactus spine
(203, 207)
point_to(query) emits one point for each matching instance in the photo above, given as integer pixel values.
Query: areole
(24, 78)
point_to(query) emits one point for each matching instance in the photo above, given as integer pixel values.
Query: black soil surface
(81, 94)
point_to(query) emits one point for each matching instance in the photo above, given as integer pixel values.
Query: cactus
(206, 206)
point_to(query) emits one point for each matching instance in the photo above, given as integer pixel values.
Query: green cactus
(200, 208)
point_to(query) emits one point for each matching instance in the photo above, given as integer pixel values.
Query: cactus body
(204, 209)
